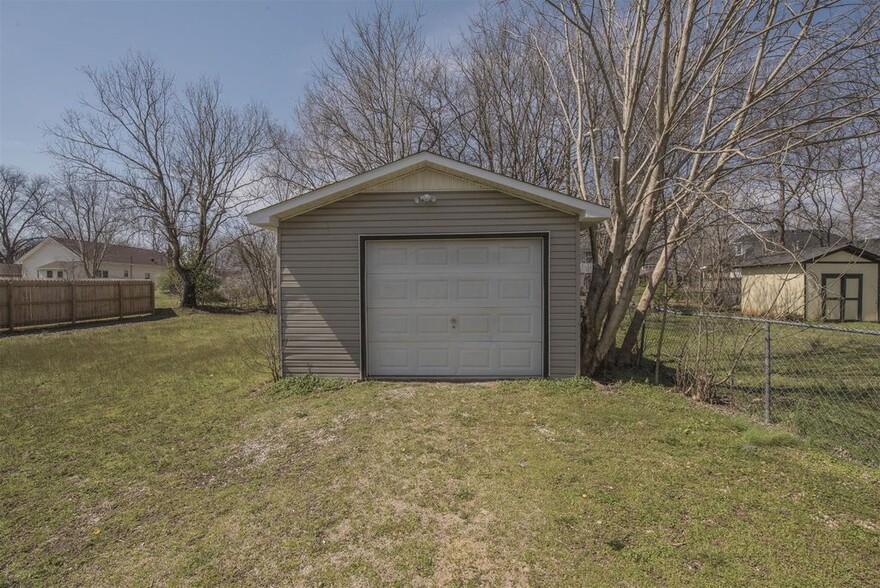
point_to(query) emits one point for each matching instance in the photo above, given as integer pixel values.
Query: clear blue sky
(261, 51)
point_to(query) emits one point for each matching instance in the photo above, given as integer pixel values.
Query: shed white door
(454, 307)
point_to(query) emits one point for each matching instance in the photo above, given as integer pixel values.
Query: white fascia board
(588, 213)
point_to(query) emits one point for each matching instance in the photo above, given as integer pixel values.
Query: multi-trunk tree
(181, 161)
(673, 98)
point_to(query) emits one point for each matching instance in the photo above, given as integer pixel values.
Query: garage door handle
(454, 322)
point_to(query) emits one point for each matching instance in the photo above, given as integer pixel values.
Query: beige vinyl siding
(775, 290)
(320, 276)
(428, 180)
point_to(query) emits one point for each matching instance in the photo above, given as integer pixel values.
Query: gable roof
(807, 255)
(794, 238)
(112, 253)
(587, 212)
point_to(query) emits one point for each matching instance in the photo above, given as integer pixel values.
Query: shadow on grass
(158, 315)
(637, 374)
(843, 417)
(229, 309)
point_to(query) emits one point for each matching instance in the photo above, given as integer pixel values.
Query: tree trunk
(270, 299)
(187, 288)
(780, 211)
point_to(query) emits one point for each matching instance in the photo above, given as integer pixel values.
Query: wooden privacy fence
(10, 270)
(27, 303)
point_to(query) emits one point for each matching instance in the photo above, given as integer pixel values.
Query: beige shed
(836, 283)
(429, 268)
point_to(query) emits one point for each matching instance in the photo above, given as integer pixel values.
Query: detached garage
(429, 268)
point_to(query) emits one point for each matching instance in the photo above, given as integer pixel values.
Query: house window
(60, 274)
(48, 273)
(124, 273)
(102, 274)
(147, 275)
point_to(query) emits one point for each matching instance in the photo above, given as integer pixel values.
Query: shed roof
(587, 212)
(809, 254)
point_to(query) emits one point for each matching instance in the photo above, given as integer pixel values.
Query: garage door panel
(516, 358)
(458, 324)
(455, 291)
(473, 289)
(454, 307)
(471, 323)
(516, 256)
(389, 291)
(473, 255)
(520, 290)
(517, 323)
(432, 255)
(433, 324)
(465, 360)
(475, 360)
(390, 360)
(391, 325)
(433, 359)
(403, 257)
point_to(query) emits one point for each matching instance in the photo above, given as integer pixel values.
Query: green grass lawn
(149, 454)
(825, 384)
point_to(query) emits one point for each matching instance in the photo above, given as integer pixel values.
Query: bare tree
(374, 100)
(87, 212)
(261, 352)
(855, 166)
(673, 98)
(254, 251)
(22, 202)
(180, 161)
(507, 114)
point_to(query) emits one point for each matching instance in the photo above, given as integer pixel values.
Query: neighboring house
(763, 243)
(430, 268)
(831, 283)
(57, 257)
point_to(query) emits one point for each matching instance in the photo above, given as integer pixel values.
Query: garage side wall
(319, 298)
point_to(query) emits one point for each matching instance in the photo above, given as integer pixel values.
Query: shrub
(207, 284)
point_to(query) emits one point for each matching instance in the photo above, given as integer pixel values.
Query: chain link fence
(820, 381)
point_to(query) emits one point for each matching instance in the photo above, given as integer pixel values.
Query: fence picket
(34, 302)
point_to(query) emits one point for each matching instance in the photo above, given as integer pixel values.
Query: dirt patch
(322, 437)
(545, 432)
(256, 451)
(400, 393)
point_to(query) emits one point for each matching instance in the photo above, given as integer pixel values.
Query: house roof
(268, 217)
(807, 255)
(794, 238)
(112, 253)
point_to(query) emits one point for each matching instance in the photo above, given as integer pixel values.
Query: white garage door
(454, 307)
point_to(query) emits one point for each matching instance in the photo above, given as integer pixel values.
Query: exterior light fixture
(425, 199)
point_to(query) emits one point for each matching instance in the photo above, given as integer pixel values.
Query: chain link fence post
(820, 381)
(767, 372)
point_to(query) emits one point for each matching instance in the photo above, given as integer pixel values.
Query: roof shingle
(119, 253)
